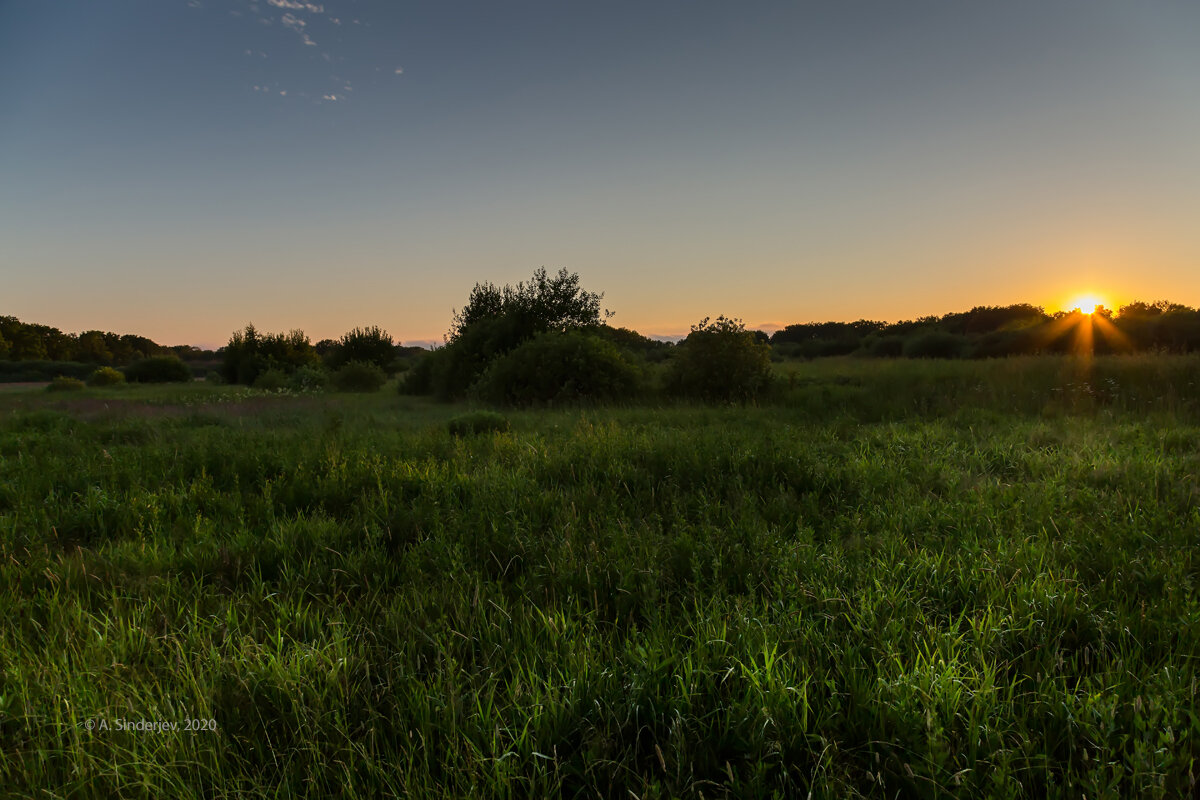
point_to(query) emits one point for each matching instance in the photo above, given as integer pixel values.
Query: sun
(1086, 304)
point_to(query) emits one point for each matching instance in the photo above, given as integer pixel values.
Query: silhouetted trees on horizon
(998, 331)
(497, 320)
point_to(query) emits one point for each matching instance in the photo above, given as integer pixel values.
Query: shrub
(559, 367)
(449, 372)
(214, 378)
(720, 361)
(106, 376)
(884, 347)
(65, 384)
(272, 380)
(158, 369)
(308, 379)
(358, 377)
(497, 320)
(935, 344)
(367, 345)
(251, 352)
(476, 422)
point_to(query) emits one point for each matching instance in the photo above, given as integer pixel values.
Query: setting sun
(1086, 304)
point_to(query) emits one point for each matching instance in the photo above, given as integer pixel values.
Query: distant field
(910, 579)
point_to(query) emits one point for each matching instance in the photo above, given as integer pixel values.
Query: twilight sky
(178, 169)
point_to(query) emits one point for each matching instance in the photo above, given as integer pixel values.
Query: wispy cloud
(312, 24)
(296, 5)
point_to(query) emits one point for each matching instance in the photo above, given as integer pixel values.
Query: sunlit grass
(890, 578)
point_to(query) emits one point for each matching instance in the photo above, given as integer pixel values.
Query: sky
(179, 168)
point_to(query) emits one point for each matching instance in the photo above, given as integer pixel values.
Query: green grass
(892, 579)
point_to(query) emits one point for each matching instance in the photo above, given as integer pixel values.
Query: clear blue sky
(179, 169)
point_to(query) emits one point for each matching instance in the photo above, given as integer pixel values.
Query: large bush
(935, 344)
(64, 384)
(106, 376)
(308, 379)
(559, 367)
(543, 303)
(366, 345)
(272, 380)
(250, 353)
(497, 320)
(720, 361)
(158, 369)
(358, 377)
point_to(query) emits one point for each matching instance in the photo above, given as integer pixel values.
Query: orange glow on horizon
(1086, 304)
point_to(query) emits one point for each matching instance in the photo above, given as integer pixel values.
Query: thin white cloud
(298, 5)
(399, 70)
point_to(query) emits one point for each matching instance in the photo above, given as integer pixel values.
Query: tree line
(998, 331)
(548, 340)
(29, 341)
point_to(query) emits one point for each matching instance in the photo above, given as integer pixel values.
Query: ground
(954, 579)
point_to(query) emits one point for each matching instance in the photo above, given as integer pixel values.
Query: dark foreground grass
(935, 582)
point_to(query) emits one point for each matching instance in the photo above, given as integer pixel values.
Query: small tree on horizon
(721, 361)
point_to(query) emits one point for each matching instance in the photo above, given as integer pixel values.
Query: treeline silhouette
(502, 318)
(998, 331)
(33, 352)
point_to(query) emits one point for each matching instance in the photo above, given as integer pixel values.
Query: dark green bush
(308, 379)
(158, 369)
(476, 422)
(367, 345)
(497, 320)
(214, 378)
(65, 384)
(559, 367)
(935, 344)
(272, 380)
(106, 376)
(33, 371)
(884, 347)
(358, 377)
(720, 361)
(250, 353)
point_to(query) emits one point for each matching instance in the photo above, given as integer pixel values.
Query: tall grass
(927, 580)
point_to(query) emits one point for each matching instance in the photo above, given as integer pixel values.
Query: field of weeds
(889, 579)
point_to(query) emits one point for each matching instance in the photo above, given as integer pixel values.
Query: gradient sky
(178, 169)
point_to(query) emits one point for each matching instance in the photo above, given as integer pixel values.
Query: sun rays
(1087, 325)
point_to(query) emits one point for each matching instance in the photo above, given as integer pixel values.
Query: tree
(91, 347)
(542, 304)
(250, 353)
(720, 361)
(366, 345)
(496, 321)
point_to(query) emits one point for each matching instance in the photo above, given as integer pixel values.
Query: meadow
(884, 579)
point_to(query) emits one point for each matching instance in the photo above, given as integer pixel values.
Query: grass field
(891, 579)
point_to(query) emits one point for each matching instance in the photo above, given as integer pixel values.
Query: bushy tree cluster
(543, 303)
(360, 360)
(28, 341)
(251, 353)
(363, 345)
(158, 369)
(497, 321)
(556, 367)
(720, 361)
